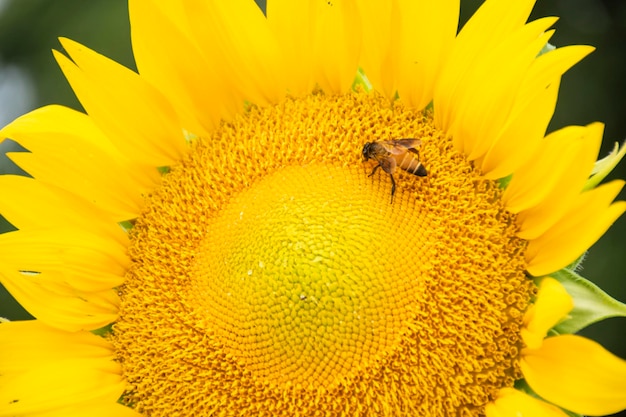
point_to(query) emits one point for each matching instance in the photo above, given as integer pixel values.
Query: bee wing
(388, 165)
(392, 148)
(400, 146)
(408, 143)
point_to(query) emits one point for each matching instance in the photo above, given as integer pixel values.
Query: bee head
(366, 151)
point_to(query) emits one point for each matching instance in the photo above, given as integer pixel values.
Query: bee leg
(393, 187)
(374, 170)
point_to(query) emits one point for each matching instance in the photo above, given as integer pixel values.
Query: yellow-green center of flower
(272, 276)
(294, 276)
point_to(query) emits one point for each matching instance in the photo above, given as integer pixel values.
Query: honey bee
(394, 153)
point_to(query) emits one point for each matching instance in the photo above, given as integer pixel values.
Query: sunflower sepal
(604, 166)
(591, 304)
(103, 331)
(127, 225)
(547, 48)
(504, 182)
(572, 414)
(577, 265)
(361, 81)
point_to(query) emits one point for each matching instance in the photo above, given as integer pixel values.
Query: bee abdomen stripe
(410, 163)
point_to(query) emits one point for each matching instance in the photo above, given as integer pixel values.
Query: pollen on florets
(272, 276)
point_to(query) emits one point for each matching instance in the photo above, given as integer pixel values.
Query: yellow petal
(59, 121)
(536, 179)
(74, 258)
(551, 306)
(406, 44)
(488, 96)
(536, 220)
(142, 124)
(96, 182)
(377, 59)
(502, 19)
(506, 155)
(549, 67)
(336, 44)
(586, 221)
(94, 408)
(70, 152)
(60, 384)
(29, 204)
(61, 306)
(201, 93)
(513, 403)
(29, 344)
(427, 30)
(43, 370)
(577, 374)
(536, 101)
(291, 22)
(237, 32)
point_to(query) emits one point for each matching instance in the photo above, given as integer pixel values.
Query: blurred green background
(594, 90)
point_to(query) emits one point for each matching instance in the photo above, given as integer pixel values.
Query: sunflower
(205, 239)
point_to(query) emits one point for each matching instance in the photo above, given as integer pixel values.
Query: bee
(394, 153)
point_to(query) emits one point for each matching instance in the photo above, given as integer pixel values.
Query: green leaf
(591, 304)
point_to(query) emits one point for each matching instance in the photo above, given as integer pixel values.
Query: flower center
(311, 272)
(271, 274)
